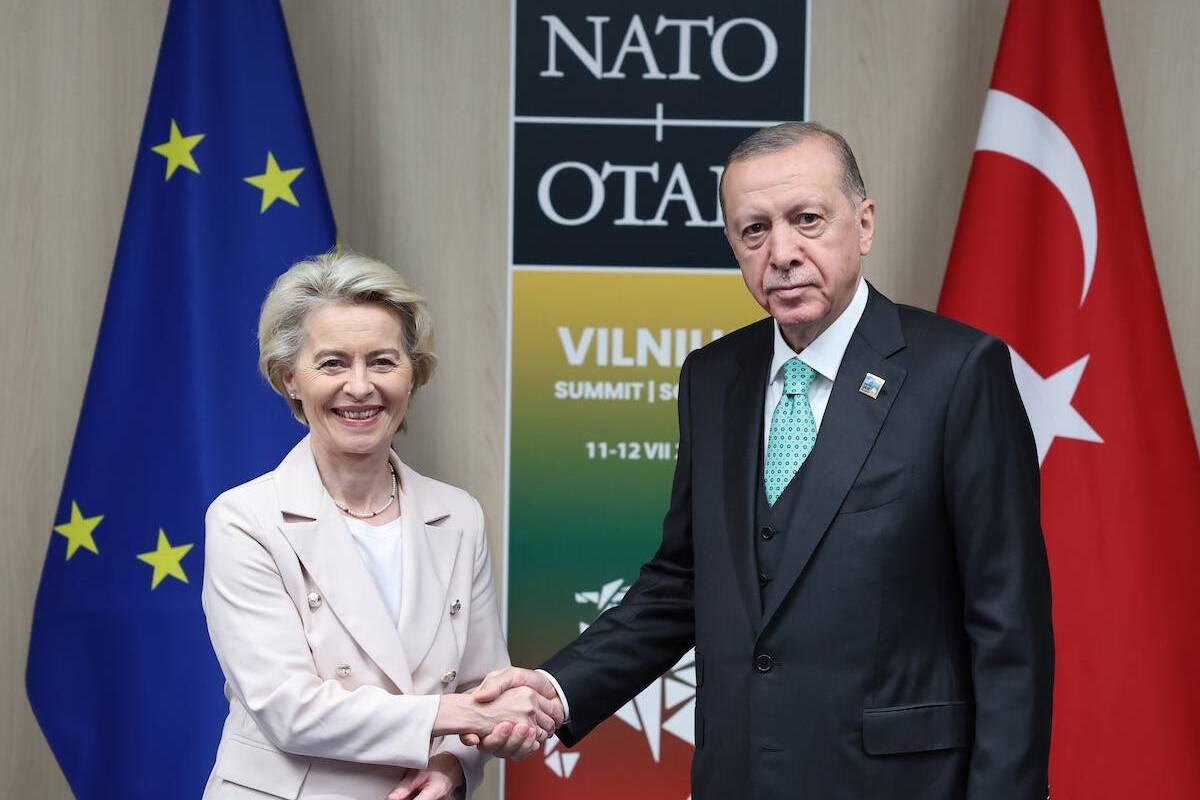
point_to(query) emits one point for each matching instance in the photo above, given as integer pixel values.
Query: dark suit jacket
(912, 656)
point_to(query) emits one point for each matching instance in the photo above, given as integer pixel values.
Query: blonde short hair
(337, 277)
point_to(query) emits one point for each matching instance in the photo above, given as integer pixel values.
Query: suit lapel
(327, 550)
(429, 553)
(743, 431)
(848, 431)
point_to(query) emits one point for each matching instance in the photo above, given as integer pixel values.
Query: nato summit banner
(623, 114)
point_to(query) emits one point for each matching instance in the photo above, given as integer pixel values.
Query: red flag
(1052, 255)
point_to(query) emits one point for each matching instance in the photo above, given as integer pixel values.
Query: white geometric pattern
(561, 764)
(668, 704)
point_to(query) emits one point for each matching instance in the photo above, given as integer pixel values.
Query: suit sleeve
(259, 639)
(634, 643)
(483, 652)
(992, 494)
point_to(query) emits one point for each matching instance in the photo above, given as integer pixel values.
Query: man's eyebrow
(811, 202)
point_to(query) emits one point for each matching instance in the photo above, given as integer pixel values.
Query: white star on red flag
(1048, 403)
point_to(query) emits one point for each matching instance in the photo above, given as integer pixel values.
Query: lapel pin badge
(872, 385)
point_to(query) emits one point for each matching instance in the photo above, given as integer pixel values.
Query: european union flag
(226, 194)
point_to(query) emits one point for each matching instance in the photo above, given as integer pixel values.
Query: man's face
(797, 237)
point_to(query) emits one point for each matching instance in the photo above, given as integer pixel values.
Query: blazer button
(767, 533)
(764, 663)
(314, 600)
(455, 607)
(449, 676)
(343, 670)
(763, 580)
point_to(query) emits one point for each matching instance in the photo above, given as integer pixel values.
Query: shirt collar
(824, 354)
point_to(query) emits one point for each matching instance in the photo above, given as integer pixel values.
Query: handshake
(509, 715)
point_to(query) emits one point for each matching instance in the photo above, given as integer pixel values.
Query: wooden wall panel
(409, 103)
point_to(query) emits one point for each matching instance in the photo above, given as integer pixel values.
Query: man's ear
(866, 225)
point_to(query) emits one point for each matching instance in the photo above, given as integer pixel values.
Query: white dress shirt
(824, 355)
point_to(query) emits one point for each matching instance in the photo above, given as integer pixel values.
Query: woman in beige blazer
(349, 598)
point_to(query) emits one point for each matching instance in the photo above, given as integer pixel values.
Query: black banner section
(624, 114)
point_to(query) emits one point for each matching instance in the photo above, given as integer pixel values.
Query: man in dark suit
(853, 543)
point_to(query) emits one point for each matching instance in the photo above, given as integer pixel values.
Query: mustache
(790, 279)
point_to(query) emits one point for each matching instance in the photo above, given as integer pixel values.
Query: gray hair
(788, 134)
(337, 277)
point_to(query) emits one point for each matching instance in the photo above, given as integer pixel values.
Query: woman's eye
(384, 363)
(331, 363)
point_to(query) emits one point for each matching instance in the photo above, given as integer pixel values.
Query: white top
(379, 547)
(824, 355)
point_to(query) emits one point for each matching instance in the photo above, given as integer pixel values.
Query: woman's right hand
(461, 714)
(521, 704)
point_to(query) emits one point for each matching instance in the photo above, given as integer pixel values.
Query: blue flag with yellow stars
(226, 194)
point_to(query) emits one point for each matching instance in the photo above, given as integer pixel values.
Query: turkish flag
(1052, 256)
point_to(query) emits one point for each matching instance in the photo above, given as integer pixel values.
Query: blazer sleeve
(258, 635)
(992, 493)
(483, 652)
(635, 642)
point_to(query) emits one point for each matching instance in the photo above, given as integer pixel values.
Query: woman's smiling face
(353, 377)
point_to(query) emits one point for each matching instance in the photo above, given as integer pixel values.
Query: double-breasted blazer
(902, 645)
(328, 698)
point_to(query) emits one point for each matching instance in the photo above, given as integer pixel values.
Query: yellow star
(79, 531)
(178, 151)
(276, 183)
(165, 560)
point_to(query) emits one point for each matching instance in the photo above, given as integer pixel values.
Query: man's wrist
(562, 697)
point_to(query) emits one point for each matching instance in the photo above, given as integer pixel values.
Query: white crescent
(1015, 128)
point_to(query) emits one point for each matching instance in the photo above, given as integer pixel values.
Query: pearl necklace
(381, 509)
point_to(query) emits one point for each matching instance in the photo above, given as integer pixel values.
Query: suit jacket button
(449, 676)
(764, 663)
(767, 533)
(763, 580)
(314, 600)
(343, 670)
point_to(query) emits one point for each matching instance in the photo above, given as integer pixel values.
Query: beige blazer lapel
(429, 554)
(327, 550)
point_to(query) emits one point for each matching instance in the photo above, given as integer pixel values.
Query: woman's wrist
(456, 715)
(449, 765)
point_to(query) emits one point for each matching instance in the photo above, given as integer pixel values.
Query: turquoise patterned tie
(793, 429)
